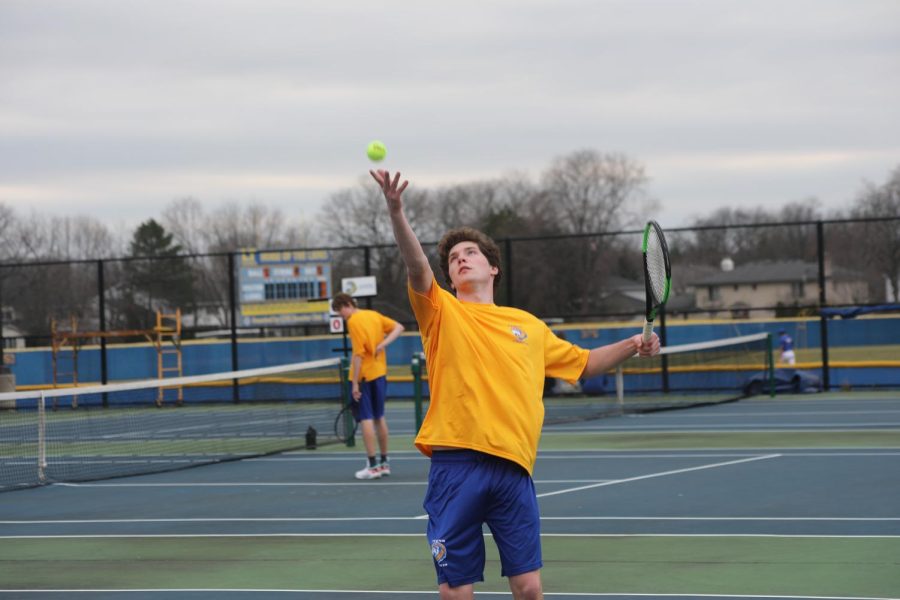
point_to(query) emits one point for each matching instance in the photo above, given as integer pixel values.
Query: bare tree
(82, 238)
(185, 220)
(591, 193)
(226, 229)
(8, 247)
(357, 218)
(55, 291)
(610, 188)
(232, 227)
(880, 240)
(797, 241)
(777, 235)
(595, 192)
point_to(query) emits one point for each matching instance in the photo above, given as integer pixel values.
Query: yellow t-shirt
(486, 368)
(367, 329)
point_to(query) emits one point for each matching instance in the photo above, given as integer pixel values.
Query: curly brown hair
(487, 246)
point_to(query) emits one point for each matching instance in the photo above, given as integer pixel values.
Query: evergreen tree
(157, 278)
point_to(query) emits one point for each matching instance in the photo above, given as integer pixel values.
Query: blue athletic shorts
(466, 489)
(371, 403)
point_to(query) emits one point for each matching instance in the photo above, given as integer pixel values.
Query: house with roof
(776, 286)
(621, 295)
(12, 336)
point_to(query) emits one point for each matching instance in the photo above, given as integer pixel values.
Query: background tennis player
(370, 333)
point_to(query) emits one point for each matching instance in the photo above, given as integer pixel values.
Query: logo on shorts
(439, 552)
(520, 335)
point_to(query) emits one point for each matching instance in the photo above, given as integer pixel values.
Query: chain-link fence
(829, 285)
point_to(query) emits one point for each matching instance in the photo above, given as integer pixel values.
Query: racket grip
(648, 330)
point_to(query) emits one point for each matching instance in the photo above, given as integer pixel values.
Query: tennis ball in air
(376, 151)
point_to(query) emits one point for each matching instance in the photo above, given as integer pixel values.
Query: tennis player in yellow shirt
(370, 333)
(486, 367)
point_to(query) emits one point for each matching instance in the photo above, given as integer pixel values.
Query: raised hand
(417, 266)
(392, 188)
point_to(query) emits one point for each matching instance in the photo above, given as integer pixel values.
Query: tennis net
(681, 376)
(104, 431)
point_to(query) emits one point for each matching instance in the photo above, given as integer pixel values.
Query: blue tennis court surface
(599, 504)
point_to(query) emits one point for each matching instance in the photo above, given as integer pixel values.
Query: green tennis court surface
(795, 497)
(636, 565)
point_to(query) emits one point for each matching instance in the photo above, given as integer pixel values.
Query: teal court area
(792, 497)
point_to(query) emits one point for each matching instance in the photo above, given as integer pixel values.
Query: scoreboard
(290, 287)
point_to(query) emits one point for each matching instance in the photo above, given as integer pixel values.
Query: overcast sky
(114, 108)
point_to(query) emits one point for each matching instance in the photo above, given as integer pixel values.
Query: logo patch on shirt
(439, 552)
(517, 332)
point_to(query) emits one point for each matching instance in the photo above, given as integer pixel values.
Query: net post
(770, 365)
(232, 313)
(823, 302)
(2, 343)
(620, 388)
(101, 315)
(42, 439)
(416, 366)
(346, 400)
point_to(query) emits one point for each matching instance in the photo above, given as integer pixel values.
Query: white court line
(649, 476)
(563, 454)
(417, 535)
(661, 474)
(725, 427)
(610, 454)
(790, 519)
(210, 520)
(803, 413)
(726, 535)
(198, 428)
(368, 519)
(842, 454)
(430, 593)
(192, 484)
(355, 457)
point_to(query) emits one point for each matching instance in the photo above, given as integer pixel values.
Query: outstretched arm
(604, 358)
(417, 267)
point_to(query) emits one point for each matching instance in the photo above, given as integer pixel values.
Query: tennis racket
(657, 273)
(346, 422)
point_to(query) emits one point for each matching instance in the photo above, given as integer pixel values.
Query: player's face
(468, 265)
